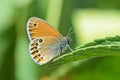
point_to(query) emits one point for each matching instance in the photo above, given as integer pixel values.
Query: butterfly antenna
(69, 32)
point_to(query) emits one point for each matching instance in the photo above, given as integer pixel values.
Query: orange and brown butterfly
(46, 42)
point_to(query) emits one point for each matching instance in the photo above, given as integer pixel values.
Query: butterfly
(46, 42)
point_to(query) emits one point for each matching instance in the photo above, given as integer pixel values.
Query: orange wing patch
(40, 28)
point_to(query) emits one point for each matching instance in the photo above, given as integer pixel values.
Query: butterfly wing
(44, 40)
(44, 49)
(39, 28)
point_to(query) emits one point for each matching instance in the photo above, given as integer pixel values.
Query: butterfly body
(45, 42)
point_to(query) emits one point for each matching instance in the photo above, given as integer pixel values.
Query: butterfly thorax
(64, 42)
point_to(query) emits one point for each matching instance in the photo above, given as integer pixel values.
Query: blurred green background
(90, 19)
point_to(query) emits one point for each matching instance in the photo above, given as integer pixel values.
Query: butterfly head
(68, 40)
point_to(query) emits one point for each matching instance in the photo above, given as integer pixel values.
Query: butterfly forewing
(39, 28)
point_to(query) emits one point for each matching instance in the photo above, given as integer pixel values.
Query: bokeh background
(90, 19)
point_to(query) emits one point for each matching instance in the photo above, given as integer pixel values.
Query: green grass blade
(110, 46)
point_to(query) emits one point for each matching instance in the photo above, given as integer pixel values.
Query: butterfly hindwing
(44, 49)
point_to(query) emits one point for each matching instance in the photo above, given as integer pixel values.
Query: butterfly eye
(40, 40)
(35, 23)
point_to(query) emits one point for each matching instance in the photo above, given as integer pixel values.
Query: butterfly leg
(70, 48)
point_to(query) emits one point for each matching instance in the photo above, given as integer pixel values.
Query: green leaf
(110, 46)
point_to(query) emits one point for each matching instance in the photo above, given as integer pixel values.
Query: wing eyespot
(39, 54)
(37, 51)
(40, 40)
(33, 48)
(35, 57)
(42, 57)
(35, 23)
(36, 44)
